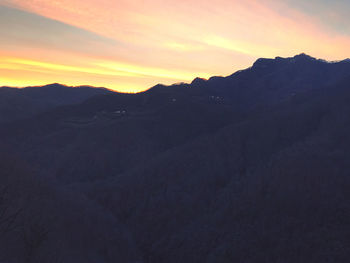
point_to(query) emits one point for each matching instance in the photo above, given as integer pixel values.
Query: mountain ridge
(252, 167)
(20, 103)
(259, 61)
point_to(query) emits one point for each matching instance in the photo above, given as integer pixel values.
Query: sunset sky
(131, 45)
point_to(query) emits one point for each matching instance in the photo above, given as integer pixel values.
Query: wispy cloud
(131, 45)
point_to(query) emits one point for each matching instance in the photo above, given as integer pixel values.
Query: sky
(132, 45)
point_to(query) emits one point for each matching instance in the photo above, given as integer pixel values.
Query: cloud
(163, 40)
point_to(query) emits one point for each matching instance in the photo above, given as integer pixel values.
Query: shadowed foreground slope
(253, 167)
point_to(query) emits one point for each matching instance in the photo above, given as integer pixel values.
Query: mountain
(20, 103)
(252, 167)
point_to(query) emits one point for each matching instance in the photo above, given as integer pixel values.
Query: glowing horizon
(130, 46)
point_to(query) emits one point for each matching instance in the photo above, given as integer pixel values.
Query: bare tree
(9, 211)
(34, 235)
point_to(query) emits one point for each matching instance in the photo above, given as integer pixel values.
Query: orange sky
(131, 45)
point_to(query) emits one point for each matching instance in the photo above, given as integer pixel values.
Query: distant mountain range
(16, 103)
(253, 167)
(284, 77)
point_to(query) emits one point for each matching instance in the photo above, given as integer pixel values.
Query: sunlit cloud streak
(132, 45)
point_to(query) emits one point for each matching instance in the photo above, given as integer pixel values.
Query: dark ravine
(253, 167)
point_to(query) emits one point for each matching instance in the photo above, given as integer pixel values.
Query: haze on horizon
(130, 46)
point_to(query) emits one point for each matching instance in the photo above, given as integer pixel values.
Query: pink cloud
(201, 37)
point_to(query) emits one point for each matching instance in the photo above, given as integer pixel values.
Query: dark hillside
(253, 167)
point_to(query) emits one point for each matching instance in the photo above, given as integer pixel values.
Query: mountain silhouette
(20, 103)
(252, 167)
